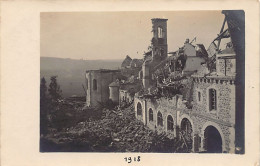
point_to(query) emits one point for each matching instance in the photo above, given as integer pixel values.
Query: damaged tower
(159, 49)
(159, 40)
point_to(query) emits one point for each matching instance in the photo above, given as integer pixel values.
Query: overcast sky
(113, 35)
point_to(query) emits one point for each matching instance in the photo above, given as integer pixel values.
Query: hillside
(71, 72)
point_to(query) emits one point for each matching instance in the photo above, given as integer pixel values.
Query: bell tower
(159, 40)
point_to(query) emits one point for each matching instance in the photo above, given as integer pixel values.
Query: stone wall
(225, 100)
(200, 117)
(166, 106)
(103, 79)
(93, 96)
(226, 67)
(223, 118)
(114, 93)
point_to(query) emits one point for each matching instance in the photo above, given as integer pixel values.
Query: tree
(44, 104)
(43, 90)
(54, 89)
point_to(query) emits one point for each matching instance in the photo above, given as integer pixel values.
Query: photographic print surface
(167, 82)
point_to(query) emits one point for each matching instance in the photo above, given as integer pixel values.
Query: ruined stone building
(193, 94)
(119, 86)
(126, 88)
(97, 85)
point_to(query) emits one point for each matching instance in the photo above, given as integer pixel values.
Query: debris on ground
(117, 130)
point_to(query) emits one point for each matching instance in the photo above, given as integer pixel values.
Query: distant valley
(71, 72)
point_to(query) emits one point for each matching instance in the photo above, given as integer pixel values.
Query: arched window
(160, 32)
(186, 126)
(94, 84)
(159, 119)
(170, 123)
(186, 131)
(150, 114)
(139, 109)
(212, 99)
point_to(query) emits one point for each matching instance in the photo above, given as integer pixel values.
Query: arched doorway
(213, 141)
(186, 131)
(139, 109)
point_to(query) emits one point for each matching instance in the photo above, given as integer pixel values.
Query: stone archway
(213, 140)
(187, 117)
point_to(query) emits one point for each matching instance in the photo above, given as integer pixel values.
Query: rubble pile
(116, 131)
(77, 103)
(68, 112)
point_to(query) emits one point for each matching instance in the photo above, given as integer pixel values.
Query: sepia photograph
(142, 81)
(129, 83)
